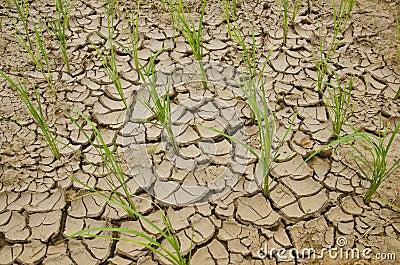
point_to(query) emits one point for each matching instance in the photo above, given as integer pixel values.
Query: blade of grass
(296, 6)
(110, 161)
(169, 235)
(374, 169)
(34, 45)
(251, 87)
(193, 35)
(59, 26)
(337, 100)
(285, 20)
(36, 112)
(110, 64)
(158, 104)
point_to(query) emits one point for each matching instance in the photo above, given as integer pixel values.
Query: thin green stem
(192, 34)
(36, 112)
(285, 20)
(59, 27)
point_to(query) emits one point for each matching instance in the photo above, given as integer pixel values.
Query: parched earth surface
(312, 206)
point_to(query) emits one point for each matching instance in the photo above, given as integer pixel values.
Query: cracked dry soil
(308, 207)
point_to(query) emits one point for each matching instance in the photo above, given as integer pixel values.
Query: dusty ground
(311, 207)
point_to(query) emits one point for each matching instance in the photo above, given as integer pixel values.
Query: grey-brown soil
(309, 207)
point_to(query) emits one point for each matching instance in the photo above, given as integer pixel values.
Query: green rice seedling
(59, 26)
(321, 64)
(269, 152)
(160, 105)
(227, 15)
(38, 54)
(398, 35)
(285, 20)
(266, 128)
(109, 61)
(171, 8)
(372, 157)
(249, 56)
(193, 35)
(35, 46)
(341, 17)
(111, 163)
(296, 6)
(251, 88)
(337, 98)
(230, 10)
(254, 88)
(397, 96)
(36, 112)
(174, 256)
(110, 64)
(22, 7)
(42, 59)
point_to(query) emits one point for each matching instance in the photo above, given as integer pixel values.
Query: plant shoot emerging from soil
(337, 98)
(34, 45)
(296, 6)
(36, 112)
(159, 105)
(115, 177)
(285, 20)
(172, 256)
(192, 34)
(371, 155)
(59, 26)
(254, 89)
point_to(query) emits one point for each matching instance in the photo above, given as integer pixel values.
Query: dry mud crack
(308, 207)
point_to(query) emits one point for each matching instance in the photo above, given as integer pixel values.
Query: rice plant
(34, 45)
(337, 98)
(397, 96)
(249, 56)
(254, 88)
(341, 16)
(398, 35)
(36, 112)
(174, 257)
(269, 151)
(22, 7)
(192, 34)
(110, 64)
(160, 105)
(296, 6)
(285, 20)
(111, 163)
(109, 61)
(266, 128)
(230, 10)
(227, 16)
(59, 26)
(371, 157)
(321, 63)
